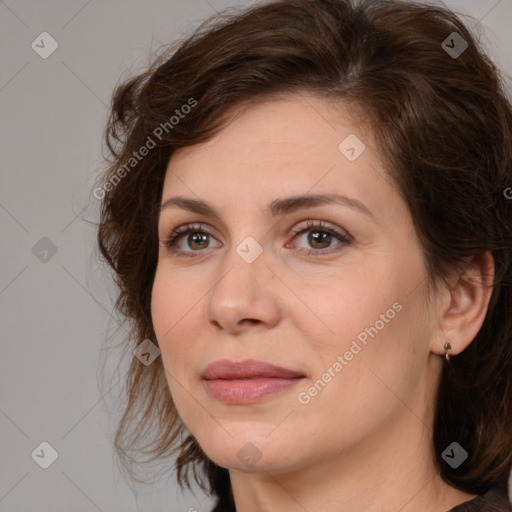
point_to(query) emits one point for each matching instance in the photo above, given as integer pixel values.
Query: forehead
(291, 127)
(281, 147)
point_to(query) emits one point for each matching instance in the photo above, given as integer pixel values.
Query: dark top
(494, 500)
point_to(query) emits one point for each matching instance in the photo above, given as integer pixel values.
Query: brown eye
(197, 240)
(319, 239)
(189, 239)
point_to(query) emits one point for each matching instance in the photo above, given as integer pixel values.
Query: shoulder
(494, 500)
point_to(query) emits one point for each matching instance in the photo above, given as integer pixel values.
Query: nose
(244, 297)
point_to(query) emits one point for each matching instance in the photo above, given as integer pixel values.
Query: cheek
(174, 310)
(373, 359)
(175, 295)
(375, 317)
(347, 303)
(175, 306)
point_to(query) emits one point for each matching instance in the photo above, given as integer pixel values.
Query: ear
(464, 304)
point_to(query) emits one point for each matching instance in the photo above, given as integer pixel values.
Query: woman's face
(331, 290)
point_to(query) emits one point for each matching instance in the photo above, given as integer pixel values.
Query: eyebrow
(275, 208)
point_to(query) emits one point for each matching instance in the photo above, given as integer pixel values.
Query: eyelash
(344, 239)
(311, 226)
(320, 226)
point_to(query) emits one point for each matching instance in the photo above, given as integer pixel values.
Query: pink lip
(247, 381)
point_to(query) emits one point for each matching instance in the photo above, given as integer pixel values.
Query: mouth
(249, 381)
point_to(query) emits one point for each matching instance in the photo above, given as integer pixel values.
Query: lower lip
(247, 391)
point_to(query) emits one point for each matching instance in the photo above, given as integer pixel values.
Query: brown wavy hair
(444, 128)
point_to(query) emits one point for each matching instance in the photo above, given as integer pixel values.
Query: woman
(308, 211)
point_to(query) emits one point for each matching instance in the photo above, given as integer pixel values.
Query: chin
(251, 452)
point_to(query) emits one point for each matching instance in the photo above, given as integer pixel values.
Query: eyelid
(185, 229)
(321, 225)
(344, 238)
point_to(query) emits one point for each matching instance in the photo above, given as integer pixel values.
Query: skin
(363, 443)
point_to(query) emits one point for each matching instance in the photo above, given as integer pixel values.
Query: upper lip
(226, 369)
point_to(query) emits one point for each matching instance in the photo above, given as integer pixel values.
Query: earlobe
(468, 302)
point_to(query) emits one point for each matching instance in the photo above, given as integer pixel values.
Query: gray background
(56, 309)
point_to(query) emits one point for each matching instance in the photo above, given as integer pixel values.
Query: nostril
(250, 320)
